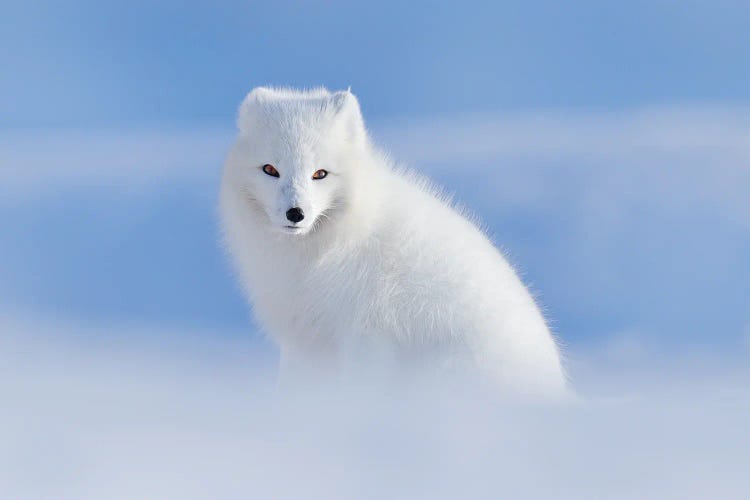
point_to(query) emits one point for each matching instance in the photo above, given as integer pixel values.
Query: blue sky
(600, 142)
(87, 63)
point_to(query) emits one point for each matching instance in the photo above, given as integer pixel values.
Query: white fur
(383, 274)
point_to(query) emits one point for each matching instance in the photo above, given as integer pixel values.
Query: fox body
(352, 264)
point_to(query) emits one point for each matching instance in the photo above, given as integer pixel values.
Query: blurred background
(605, 146)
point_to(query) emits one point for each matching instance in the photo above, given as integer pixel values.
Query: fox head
(294, 158)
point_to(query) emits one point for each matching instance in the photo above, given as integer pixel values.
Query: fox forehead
(287, 148)
(290, 134)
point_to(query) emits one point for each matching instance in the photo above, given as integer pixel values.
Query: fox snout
(295, 214)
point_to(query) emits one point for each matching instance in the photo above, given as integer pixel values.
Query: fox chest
(321, 298)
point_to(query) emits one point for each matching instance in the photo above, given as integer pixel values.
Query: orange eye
(270, 170)
(320, 174)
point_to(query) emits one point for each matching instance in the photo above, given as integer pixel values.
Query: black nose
(295, 214)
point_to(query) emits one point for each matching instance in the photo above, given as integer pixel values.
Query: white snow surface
(90, 412)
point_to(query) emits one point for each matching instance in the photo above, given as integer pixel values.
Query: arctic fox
(347, 259)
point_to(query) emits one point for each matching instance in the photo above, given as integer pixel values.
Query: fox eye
(320, 174)
(270, 170)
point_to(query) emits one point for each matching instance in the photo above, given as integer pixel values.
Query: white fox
(351, 263)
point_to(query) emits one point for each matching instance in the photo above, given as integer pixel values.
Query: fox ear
(256, 96)
(348, 114)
